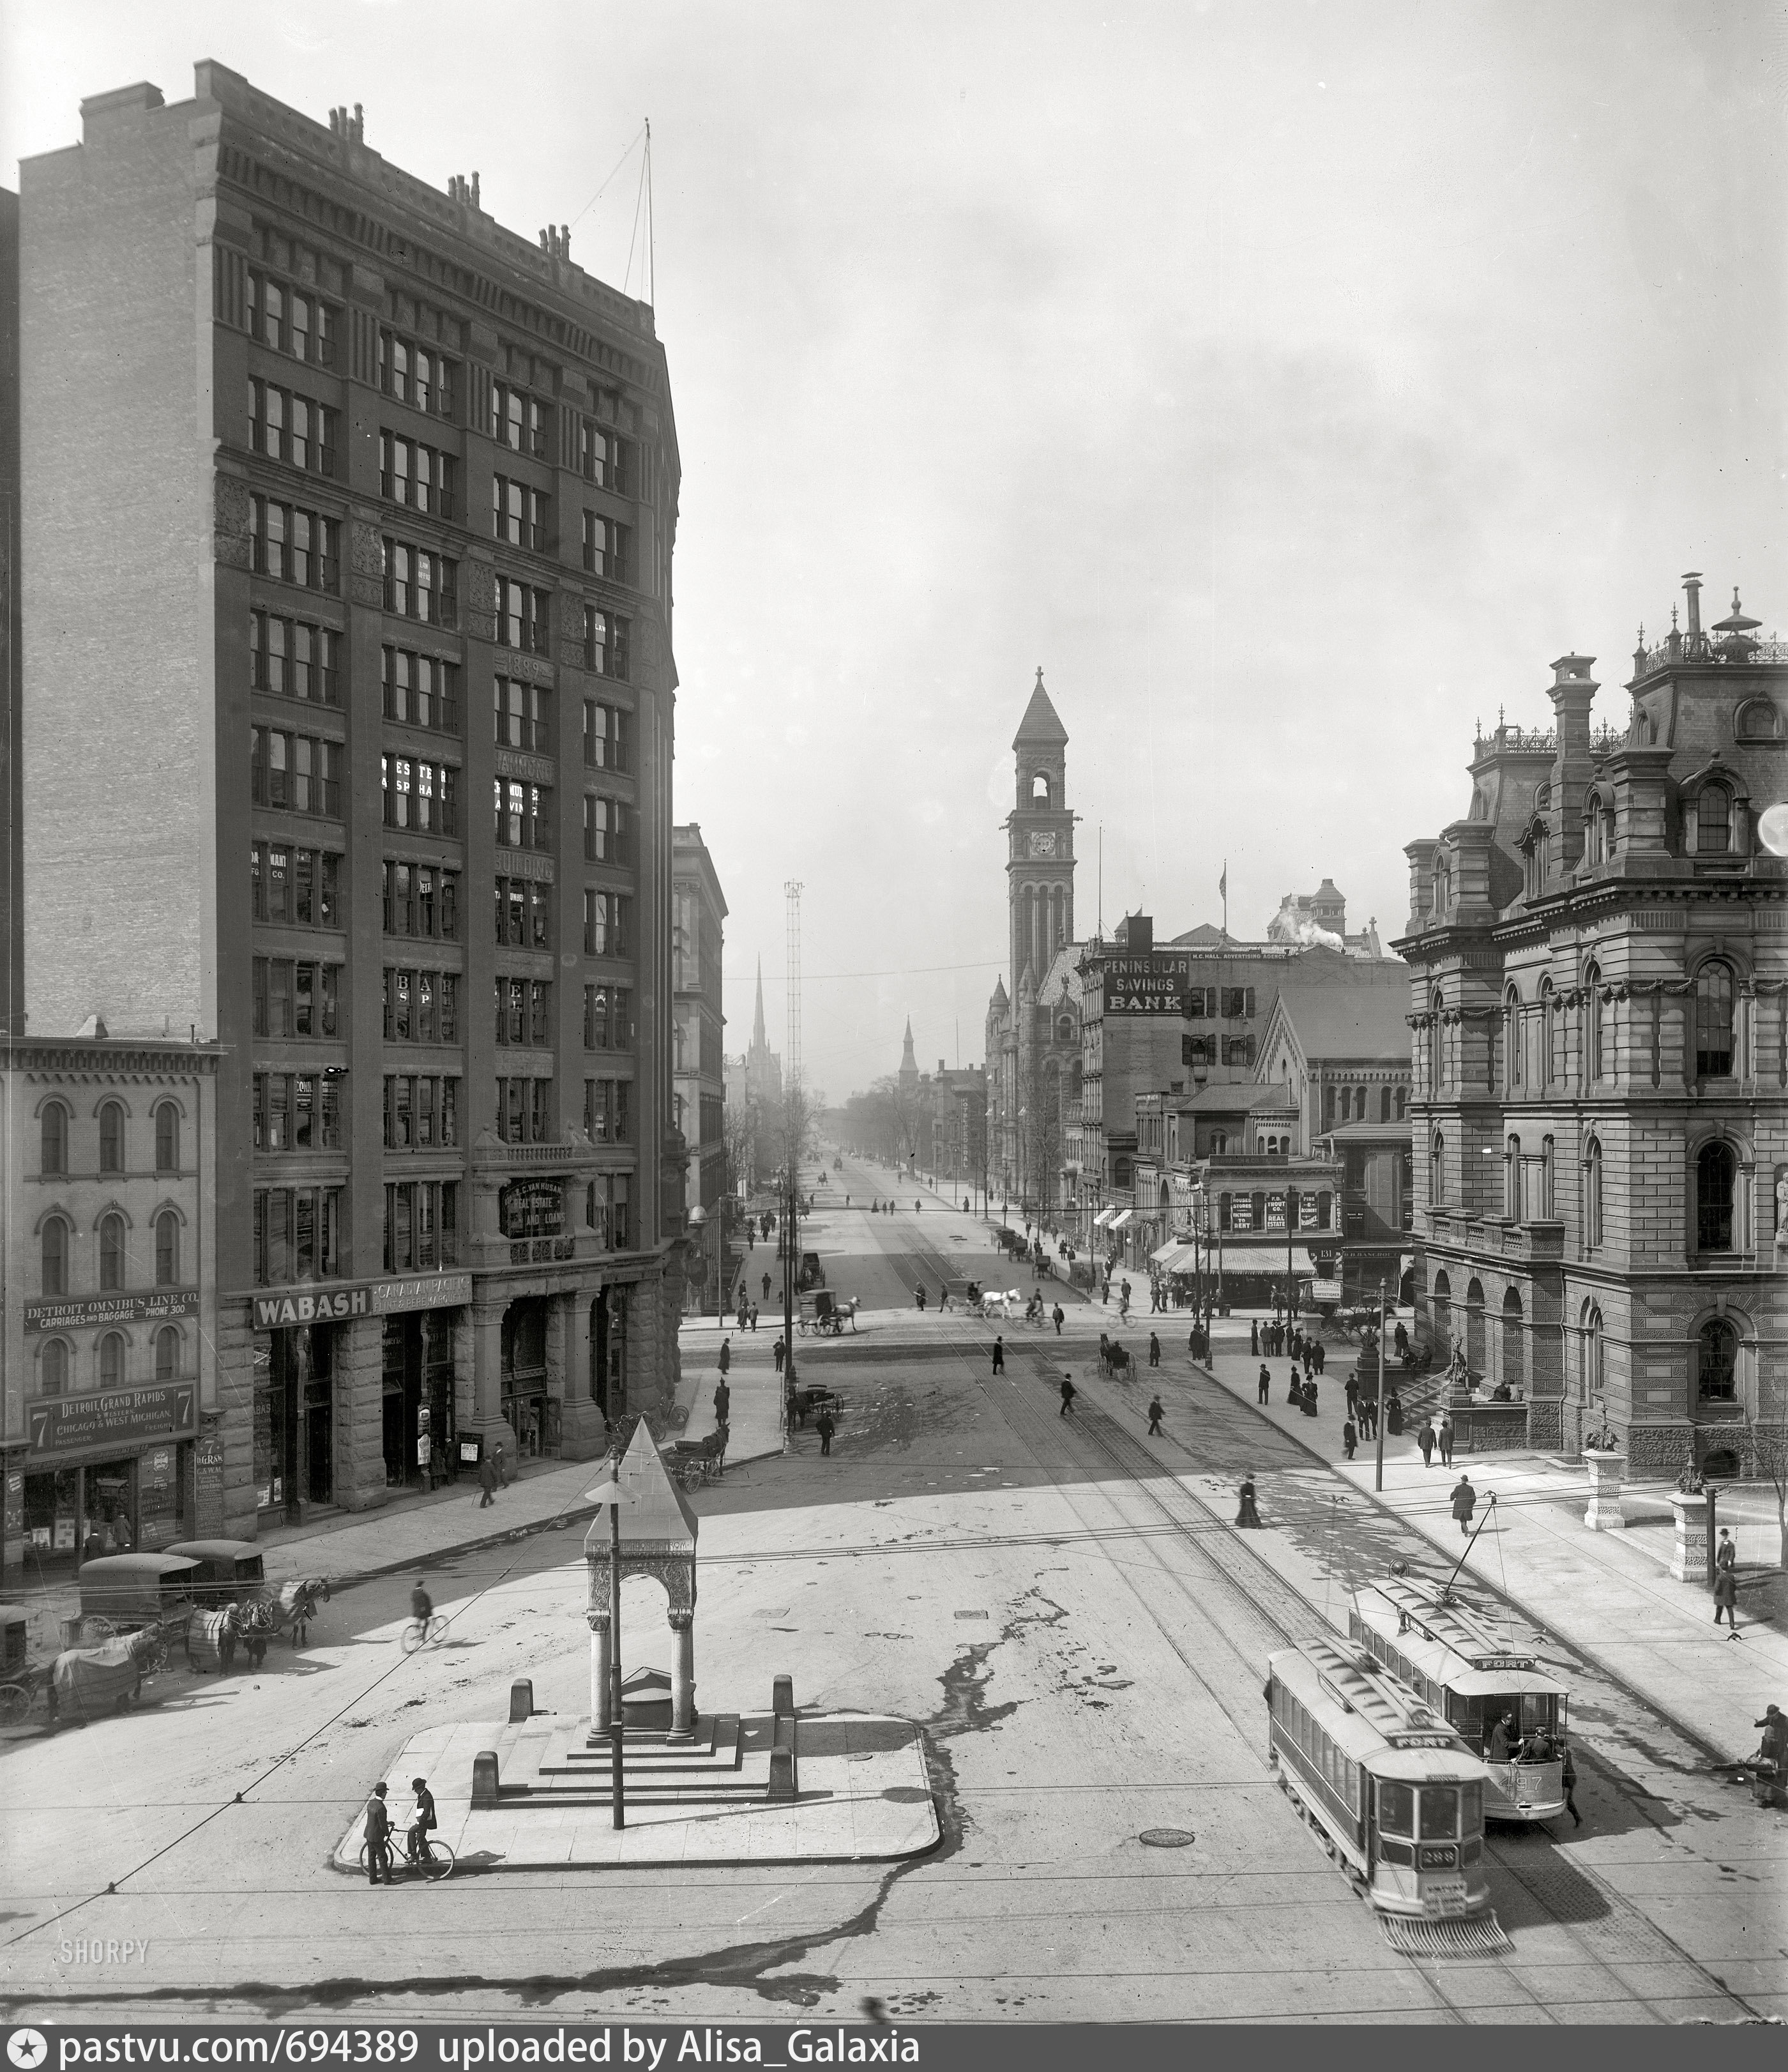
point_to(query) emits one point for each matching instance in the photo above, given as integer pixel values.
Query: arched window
(1717, 1362)
(1548, 1159)
(1533, 860)
(111, 1360)
(1436, 1047)
(1384, 1103)
(1039, 789)
(1512, 1025)
(1443, 1311)
(167, 1249)
(1713, 813)
(1474, 1327)
(1436, 1169)
(1548, 1021)
(53, 1145)
(1716, 1169)
(55, 1257)
(1599, 1032)
(1402, 1103)
(111, 1123)
(52, 1368)
(167, 1138)
(111, 1251)
(1592, 1193)
(1757, 721)
(1592, 1382)
(1443, 886)
(1713, 1020)
(1511, 1179)
(1592, 832)
(167, 1353)
(1514, 1344)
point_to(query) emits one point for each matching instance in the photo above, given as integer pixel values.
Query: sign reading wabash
(365, 1298)
(1150, 985)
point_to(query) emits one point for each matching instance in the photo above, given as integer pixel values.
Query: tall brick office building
(1600, 960)
(347, 518)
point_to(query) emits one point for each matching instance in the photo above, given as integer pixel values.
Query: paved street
(1061, 1603)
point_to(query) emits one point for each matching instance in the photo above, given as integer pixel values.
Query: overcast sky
(1291, 382)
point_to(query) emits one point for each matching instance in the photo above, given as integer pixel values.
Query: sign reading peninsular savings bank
(343, 1300)
(1150, 984)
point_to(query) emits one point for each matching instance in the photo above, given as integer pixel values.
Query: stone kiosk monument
(657, 1539)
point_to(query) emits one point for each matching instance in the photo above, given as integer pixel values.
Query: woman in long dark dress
(1247, 1516)
(1294, 1390)
(1393, 1414)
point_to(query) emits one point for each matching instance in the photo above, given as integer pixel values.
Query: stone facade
(1599, 955)
(336, 438)
(699, 1037)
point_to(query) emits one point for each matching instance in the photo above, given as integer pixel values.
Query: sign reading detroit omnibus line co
(1150, 985)
(361, 1298)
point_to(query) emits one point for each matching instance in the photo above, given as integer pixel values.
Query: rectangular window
(296, 1235)
(519, 514)
(418, 475)
(606, 644)
(522, 616)
(605, 929)
(293, 545)
(606, 1018)
(419, 583)
(606, 730)
(291, 428)
(598, 455)
(523, 915)
(518, 420)
(295, 887)
(524, 1111)
(291, 320)
(608, 548)
(416, 374)
(522, 713)
(523, 813)
(422, 797)
(1238, 1003)
(421, 900)
(1238, 1050)
(603, 827)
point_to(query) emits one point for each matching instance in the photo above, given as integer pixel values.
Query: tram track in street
(1260, 1611)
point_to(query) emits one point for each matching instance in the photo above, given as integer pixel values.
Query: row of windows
(421, 797)
(297, 1111)
(525, 1111)
(421, 1112)
(1211, 1049)
(523, 1011)
(420, 690)
(520, 514)
(295, 887)
(420, 899)
(293, 545)
(55, 1361)
(296, 773)
(1342, 1104)
(606, 1104)
(608, 548)
(419, 583)
(607, 924)
(524, 914)
(112, 1245)
(1259, 1212)
(417, 375)
(607, 736)
(420, 1006)
(293, 997)
(297, 1235)
(521, 715)
(1340, 1772)
(518, 420)
(1529, 1194)
(524, 616)
(291, 658)
(417, 475)
(291, 320)
(113, 1138)
(289, 427)
(422, 1225)
(608, 1211)
(1231, 1003)
(523, 813)
(608, 1022)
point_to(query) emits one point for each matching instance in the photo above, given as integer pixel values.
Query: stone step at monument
(565, 1769)
(717, 1747)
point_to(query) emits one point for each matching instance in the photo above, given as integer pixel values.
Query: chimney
(1692, 582)
(1573, 693)
(475, 202)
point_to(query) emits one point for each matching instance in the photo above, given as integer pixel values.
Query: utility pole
(794, 1108)
(1378, 1483)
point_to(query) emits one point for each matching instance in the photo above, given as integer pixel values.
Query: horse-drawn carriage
(1112, 1358)
(826, 1315)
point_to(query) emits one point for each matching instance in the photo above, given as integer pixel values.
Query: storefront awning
(1103, 1218)
(1261, 1255)
(1178, 1258)
(1122, 1218)
(1163, 1253)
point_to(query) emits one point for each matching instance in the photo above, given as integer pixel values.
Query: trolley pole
(1378, 1483)
(616, 1729)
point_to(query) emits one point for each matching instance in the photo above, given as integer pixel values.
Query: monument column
(599, 1643)
(683, 1706)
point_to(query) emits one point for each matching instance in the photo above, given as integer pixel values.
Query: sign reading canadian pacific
(361, 1298)
(1150, 985)
(161, 1307)
(121, 1418)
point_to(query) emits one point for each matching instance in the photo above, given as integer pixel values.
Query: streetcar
(1449, 1655)
(1394, 1795)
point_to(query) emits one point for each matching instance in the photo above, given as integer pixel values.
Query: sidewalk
(1604, 1593)
(754, 1428)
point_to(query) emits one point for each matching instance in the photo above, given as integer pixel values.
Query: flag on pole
(1223, 883)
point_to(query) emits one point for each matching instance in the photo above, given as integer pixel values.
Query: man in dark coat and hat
(1465, 1501)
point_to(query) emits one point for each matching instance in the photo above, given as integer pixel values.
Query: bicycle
(419, 1634)
(435, 1862)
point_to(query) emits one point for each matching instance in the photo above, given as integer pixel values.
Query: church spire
(759, 1041)
(909, 1064)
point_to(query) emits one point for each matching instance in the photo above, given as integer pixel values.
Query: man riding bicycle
(421, 1820)
(420, 1606)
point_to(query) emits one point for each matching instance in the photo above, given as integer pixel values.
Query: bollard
(782, 1697)
(484, 1780)
(521, 1699)
(781, 1774)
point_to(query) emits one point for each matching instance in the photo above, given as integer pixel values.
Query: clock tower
(1039, 859)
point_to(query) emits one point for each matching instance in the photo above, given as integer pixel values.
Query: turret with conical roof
(909, 1064)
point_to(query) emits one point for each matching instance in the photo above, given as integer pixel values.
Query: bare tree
(1769, 1445)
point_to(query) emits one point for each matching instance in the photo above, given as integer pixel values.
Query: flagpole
(1223, 886)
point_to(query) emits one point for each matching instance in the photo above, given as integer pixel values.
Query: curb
(1694, 1736)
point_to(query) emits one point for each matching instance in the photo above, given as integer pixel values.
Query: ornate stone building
(1599, 952)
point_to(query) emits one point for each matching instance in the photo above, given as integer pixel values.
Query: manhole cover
(1167, 1838)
